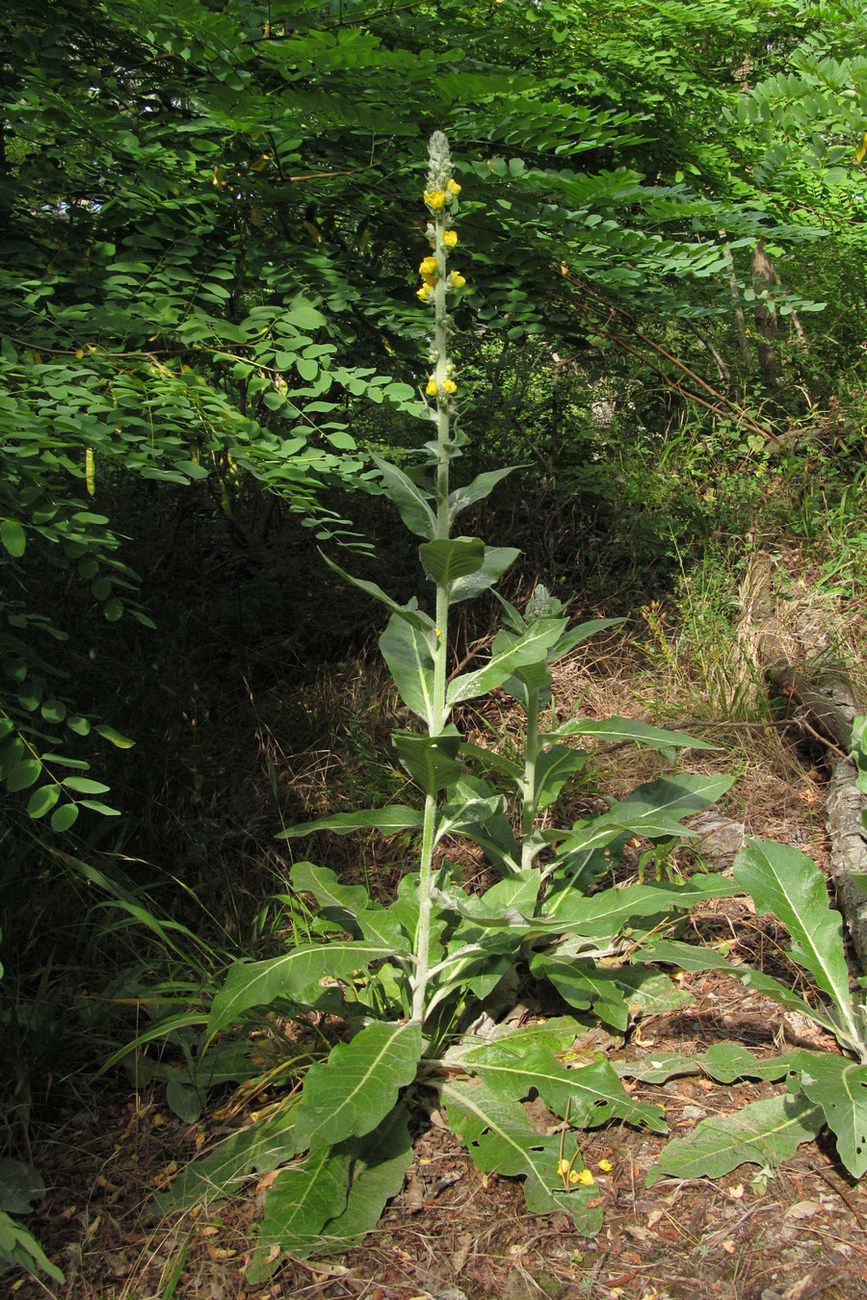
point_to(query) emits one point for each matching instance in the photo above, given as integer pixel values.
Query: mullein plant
(423, 985)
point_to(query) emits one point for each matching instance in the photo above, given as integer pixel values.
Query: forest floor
(794, 1233)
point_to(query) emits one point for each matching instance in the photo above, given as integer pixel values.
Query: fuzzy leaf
(480, 487)
(300, 1201)
(592, 1093)
(784, 881)
(497, 560)
(612, 992)
(430, 760)
(353, 1091)
(533, 645)
(396, 817)
(406, 649)
(259, 983)
(619, 729)
(763, 1133)
(605, 914)
(379, 1166)
(553, 769)
(448, 559)
(415, 617)
(412, 501)
(840, 1088)
(501, 1139)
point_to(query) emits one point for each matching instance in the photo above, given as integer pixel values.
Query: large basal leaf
(497, 560)
(396, 817)
(784, 881)
(449, 559)
(406, 649)
(300, 1201)
(353, 1091)
(840, 1088)
(592, 1094)
(412, 501)
(534, 644)
(261, 1147)
(763, 1133)
(500, 1139)
(690, 957)
(375, 1164)
(290, 976)
(613, 992)
(724, 1062)
(430, 760)
(379, 1165)
(619, 729)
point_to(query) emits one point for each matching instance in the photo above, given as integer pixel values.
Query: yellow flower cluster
(432, 388)
(582, 1178)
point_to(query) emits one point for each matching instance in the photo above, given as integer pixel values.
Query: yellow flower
(563, 1167)
(585, 1178)
(425, 292)
(450, 238)
(457, 279)
(435, 199)
(574, 1176)
(428, 266)
(431, 388)
(450, 386)
(606, 1166)
(453, 188)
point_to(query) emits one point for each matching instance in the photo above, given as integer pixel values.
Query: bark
(766, 319)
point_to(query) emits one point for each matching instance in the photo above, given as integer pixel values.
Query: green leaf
(762, 1133)
(784, 881)
(612, 992)
(84, 785)
(619, 729)
(113, 737)
(451, 559)
(396, 817)
(591, 1093)
(500, 1138)
(379, 1165)
(481, 487)
(692, 958)
(25, 774)
(295, 973)
(497, 560)
(411, 500)
(350, 905)
(605, 914)
(840, 1088)
(63, 817)
(299, 1203)
(409, 614)
(13, 537)
(42, 801)
(406, 649)
(533, 645)
(352, 1092)
(430, 760)
(553, 768)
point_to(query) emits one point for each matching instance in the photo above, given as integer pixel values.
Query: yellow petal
(450, 238)
(453, 187)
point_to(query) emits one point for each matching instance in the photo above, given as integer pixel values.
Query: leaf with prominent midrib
(840, 1088)
(763, 1133)
(259, 983)
(351, 1092)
